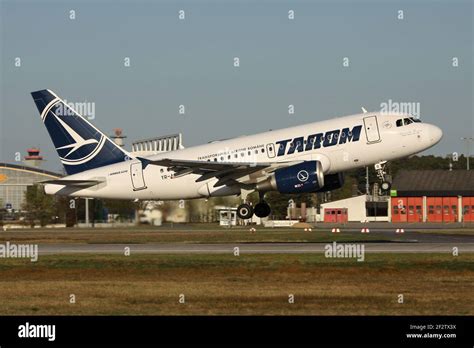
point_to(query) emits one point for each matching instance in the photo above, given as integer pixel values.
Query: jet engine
(332, 182)
(304, 177)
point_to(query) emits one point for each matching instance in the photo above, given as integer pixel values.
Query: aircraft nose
(434, 134)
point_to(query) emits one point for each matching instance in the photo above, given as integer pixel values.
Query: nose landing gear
(382, 175)
(385, 186)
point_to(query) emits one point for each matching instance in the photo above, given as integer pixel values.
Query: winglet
(363, 110)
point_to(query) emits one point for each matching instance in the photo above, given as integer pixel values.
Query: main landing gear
(382, 175)
(244, 211)
(261, 209)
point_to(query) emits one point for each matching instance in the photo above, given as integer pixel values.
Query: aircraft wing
(227, 173)
(74, 183)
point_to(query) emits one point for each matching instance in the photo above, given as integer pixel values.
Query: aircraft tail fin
(79, 144)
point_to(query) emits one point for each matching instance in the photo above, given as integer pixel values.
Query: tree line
(42, 209)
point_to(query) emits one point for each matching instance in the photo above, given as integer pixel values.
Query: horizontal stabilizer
(75, 183)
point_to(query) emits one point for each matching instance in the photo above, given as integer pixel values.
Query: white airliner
(307, 158)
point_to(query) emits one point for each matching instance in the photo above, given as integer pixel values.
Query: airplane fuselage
(340, 144)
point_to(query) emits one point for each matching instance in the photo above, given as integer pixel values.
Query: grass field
(432, 284)
(142, 235)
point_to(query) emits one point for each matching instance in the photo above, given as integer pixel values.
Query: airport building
(433, 196)
(416, 196)
(361, 208)
(15, 179)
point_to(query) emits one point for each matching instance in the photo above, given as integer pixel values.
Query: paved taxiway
(248, 248)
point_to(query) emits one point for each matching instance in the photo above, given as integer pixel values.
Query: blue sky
(190, 62)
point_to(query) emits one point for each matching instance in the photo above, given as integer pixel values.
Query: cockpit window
(406, 121)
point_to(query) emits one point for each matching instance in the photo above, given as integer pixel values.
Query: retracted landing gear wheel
(262, 209)
(244, 211)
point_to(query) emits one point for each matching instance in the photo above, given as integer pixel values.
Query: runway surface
(249, 248)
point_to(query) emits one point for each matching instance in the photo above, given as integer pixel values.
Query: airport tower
(33, 159)
(118, 137)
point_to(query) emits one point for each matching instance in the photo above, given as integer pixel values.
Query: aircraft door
(271, 150)
(371, 129)
(136, 173)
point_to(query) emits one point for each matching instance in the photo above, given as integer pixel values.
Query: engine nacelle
(332, 182)
(304, 177)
